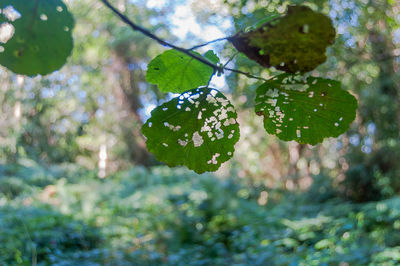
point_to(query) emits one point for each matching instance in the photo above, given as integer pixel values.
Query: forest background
(77, 183)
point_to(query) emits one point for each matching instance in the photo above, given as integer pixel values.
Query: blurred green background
(77, 186)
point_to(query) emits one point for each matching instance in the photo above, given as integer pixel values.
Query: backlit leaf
(292, 43)
(212, 57)
(305, 110)
(174, 71)
(35, 35)
(198, 129)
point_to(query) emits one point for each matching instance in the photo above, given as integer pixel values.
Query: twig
(207, 43)
(188, 52)
(154, 37)
(230, 59)
(247, 74)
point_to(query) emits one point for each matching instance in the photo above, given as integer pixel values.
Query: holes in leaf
(197, 139)
(305, 28)
(24, 38)
(6, 32)
(214, 159)
(200, 135)
(182, 142)
(11, 14)
(288, 43)
(305, 110)
(43, 17)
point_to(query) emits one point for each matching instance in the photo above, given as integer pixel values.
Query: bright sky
(183, 22)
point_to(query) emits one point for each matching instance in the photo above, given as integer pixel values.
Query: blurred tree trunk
(128, 95)
(297, 151)
(383, 50)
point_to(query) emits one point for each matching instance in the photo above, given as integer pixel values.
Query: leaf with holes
(198, 129)
(292, 43)
(174, 71)
(305, 110)
(35, 35)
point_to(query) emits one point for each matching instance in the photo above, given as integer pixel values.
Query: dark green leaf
(263, 21)
(197, 129)
(42, 39)
(305, 110)
(295, 42)
(174, 71)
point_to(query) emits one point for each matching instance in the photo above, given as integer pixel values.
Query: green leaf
(174, 71)
(324, 243)
(292, 43)
(305, 110)
(42, 39)
(197, 129)
(212, 57)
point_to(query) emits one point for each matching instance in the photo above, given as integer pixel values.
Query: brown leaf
(293, 43)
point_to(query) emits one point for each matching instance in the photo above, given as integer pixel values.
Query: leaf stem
(231, 58)
(188, 52)
(207, 43)
(247, 74)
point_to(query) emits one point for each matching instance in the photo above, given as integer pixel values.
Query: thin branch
(207, 43)
(247, 74)
(154, 37)
(188, 52)
(230, 59)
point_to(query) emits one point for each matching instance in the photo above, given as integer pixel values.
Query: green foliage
(373, 177)
(165, 217)
(11, 187)
(305, 109)
(42, 38)
(174, 71)
(212, 57)
(293, 43)
(28, 234)
(197, 129)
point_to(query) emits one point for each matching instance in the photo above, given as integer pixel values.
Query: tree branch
(188, 52)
